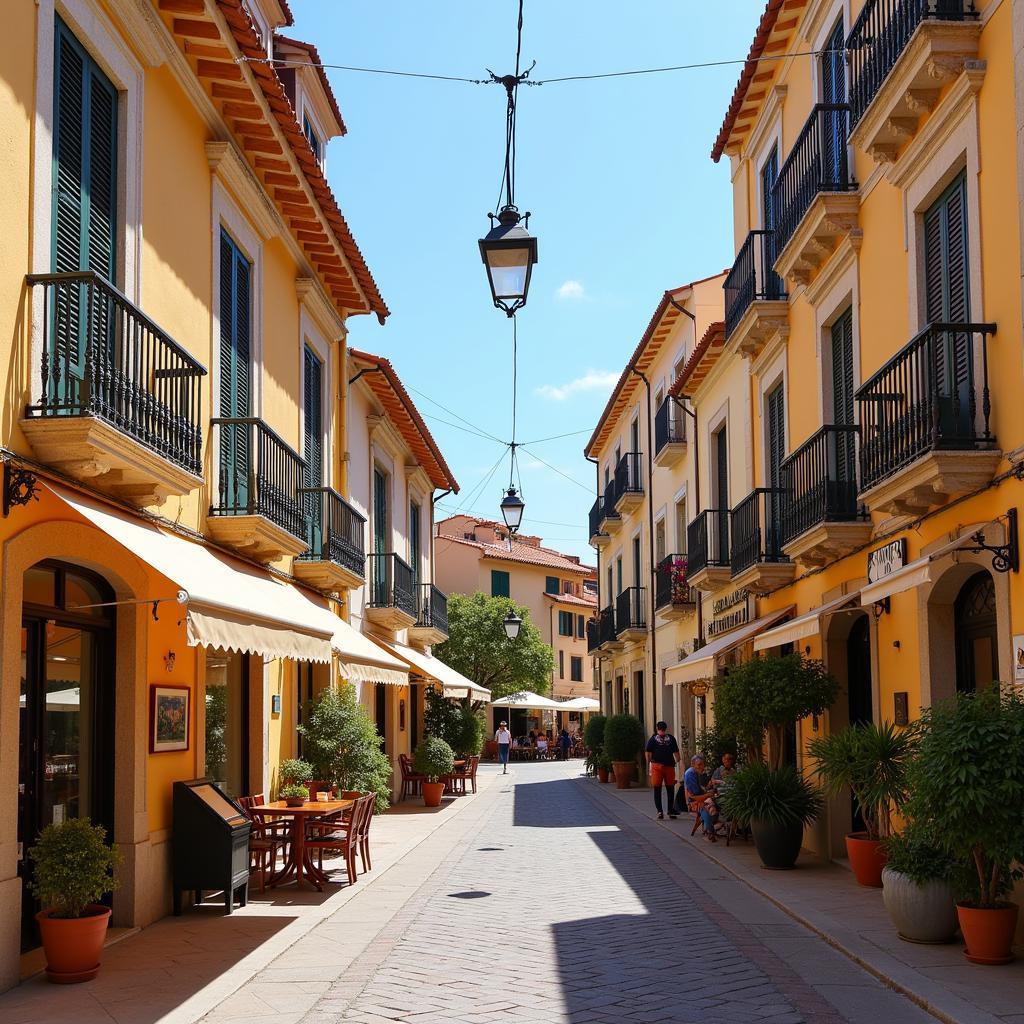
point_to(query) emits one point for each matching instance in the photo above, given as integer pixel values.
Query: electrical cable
(465, 430)
(555, 469)
(452, 412)
(558, 437)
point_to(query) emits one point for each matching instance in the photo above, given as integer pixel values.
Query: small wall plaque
(902, 708)
(275, 703)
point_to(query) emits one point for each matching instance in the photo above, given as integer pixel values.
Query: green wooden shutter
(234, 352)
(776, 454)
(414, 540)
(842, 396)
(499, 583)
(313, 445)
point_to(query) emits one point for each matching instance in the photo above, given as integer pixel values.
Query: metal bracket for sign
(20, 487)
(882, 607)
(1005, 557)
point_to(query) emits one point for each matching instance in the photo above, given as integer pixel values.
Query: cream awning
(701, 664)
(803, 626)
(528, 699)
(363, 660)
(915, 573)
(229, 604)
(579, 704)
(455, 684)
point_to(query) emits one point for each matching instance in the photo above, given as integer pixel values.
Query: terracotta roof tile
(314, 58)
(524, 553)
(582, 602)
(701, 360)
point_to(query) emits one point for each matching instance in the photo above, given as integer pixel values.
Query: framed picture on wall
(169, 713)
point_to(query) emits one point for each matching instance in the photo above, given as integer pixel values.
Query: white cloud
(592, 380)
(570, 291)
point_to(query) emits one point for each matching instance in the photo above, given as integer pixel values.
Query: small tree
(967, 784)
(442, 716)
(623, 737)
(766, 695)
(72, 866)
(478, 647)
(593, 733)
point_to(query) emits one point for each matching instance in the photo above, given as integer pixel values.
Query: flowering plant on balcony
(677, 574)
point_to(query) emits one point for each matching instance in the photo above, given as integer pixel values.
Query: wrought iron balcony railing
(336, 530)
(751, 278)
(818, 162)
(102, 356)
(670, 586)
(432, 612)
(669, 424)
(392, 583)
(926, 397)
(629, 475)
(631, 610)
(611, 495)
(881, 34)
(707, 540)
(820, 481)
(596, 515)
(257, 474)
(593, 635)
(757, 529)
(607, 630)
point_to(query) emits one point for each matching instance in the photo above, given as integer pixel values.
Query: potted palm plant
(871, 760)
(72, 867)
(777, 804)
(433, 759)
(966, 784)
(623, 740)
(916, 886)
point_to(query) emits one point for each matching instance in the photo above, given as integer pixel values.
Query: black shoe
(661, 816)
(673, 816)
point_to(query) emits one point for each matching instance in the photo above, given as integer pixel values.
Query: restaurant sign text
(886, 560)
(729, 612)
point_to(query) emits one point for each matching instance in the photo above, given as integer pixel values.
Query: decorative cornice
(235, 173)
(766, 122)
(835, 267)
(144, 28)
(312, 295)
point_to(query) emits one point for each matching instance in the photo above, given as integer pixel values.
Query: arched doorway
(66, 709)
(975, 633)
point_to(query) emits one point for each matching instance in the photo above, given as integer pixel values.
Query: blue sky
(625, 201)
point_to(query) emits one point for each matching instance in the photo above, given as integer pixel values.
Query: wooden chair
(337, 835)
(265, 842)
(412, 781)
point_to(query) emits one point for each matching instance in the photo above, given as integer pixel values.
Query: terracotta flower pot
(624, 772)
(73, 944)
(988, 933)
(602, 774)
(432, 792)
(867, 858)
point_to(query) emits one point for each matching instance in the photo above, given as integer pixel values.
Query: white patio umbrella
(579, 704)
(528, 699)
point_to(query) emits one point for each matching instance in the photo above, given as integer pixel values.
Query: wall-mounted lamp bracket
(1005, 557)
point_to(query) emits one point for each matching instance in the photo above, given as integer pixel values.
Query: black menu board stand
(211, 843)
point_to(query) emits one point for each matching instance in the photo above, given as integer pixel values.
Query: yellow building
(176, 535)
(646, 454)
(873, 318)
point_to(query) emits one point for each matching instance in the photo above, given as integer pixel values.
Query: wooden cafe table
(299, 864)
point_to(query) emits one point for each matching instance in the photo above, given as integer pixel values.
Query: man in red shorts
(662, 757)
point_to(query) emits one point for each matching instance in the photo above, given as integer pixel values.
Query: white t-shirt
(503, 736)
(542, 744)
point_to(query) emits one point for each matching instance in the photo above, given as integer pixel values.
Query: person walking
(504, 740)
(662, 754)
(564, 745)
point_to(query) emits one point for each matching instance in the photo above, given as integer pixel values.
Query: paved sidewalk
(852, 918)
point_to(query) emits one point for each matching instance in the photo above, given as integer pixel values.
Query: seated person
(724, 771)
(542, 744)
(695, 797)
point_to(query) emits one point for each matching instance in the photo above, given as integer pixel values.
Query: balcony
(610, 522)
(815, 197)
(631, 614)
(336, 557)
(669, 433)
(756, 306)
(674, 598)
(900, 54)
(925, 422)
(707, 541)
(609, 637)
(757, 561)
(598, 537)
(431, 626)
(629, 483)
(258, 509)
(391, 601)
(821, 517)
(593, 636)
(118, 399)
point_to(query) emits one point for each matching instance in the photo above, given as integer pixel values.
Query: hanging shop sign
(729, 612)
(886, 560)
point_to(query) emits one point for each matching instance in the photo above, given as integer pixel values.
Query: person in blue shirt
(695, 797)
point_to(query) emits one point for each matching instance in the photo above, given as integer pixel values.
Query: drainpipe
(650, 541)
(597, 492)
(551, 635)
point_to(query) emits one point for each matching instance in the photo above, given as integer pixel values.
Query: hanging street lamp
(509, 252)
(512, 510)
(513, 623)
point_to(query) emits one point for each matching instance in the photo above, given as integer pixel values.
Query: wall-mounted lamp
(880, 608)
(169, 661)
(896, 644)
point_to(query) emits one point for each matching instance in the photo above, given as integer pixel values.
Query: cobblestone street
(554, 909)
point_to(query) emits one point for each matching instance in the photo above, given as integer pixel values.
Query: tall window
(775, 412)
(842, 394)
(551, 585)
(227, 721)
(618, 575)
(313, 139)
(576, 669)
(681, 524)
(414, 539)
(499, 583)
(235, 372)
(565, 623)
(561, 664)
(581, 626)
(313, 442)
(833, 91)
(769, 175)
(638, 572)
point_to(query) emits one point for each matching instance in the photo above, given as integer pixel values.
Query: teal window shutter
(551, 585)
(499, 583)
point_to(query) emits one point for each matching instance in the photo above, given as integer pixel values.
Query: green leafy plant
(872, 761)
(340, 738)
(442, 716)
(294, 769)
(478, 647)
(624, 737)
(764, 696)
(72, 866)
(434, 758)
(916, 854)
(712, 743)
(593, 732)
(294, 790)
(966, 785)
(604, 761)
(776, 796)
(469, 737)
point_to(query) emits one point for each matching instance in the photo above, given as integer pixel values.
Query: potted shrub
(916, 887)
(469, 733)
(433, 759)
(295, 794)
(72, 867)
(297, 772)
(966, 784)
(604, 767)
(871, 760)
(777, 804)
(593, 740)
(623, 740)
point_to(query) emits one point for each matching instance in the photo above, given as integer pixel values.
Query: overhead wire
(555, 469)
